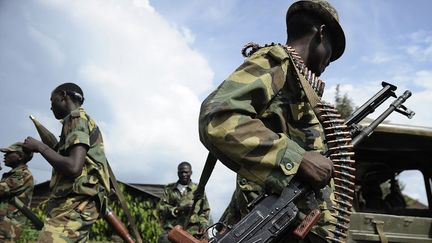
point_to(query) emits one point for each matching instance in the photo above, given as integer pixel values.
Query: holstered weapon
(28, 213)
(49, 139)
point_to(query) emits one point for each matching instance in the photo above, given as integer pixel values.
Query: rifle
(28, 213)
(49, 139)
(274, 216)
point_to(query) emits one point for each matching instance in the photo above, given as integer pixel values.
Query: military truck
(395, 159)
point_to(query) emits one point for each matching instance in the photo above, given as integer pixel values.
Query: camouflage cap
(330, 17)
(17, 147)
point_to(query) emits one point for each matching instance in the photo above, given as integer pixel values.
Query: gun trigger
(306, 225)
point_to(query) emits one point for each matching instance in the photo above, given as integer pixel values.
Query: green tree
(144, 213)
(343, 103)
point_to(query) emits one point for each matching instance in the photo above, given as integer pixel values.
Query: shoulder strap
(311, 95)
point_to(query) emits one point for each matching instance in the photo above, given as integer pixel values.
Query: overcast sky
(146, 66)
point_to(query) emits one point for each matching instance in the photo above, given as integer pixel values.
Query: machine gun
(274, 216)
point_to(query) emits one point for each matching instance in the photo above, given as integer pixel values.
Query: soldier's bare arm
(70, 165)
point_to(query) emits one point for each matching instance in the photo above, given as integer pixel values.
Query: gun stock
(118, 226)
(178, 235)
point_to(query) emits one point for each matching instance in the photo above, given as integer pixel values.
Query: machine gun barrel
(395, 106)
(369, 106)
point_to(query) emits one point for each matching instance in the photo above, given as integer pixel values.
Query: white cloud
(420, 46)
(189, 37)
(423, 79)
(49, 44)
(380, 58)
(151, 81)
(421, 36)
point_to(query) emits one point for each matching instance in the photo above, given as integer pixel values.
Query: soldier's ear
(323, 32)
(20, 156)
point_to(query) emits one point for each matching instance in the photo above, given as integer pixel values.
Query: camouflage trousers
(9, 230)
(68, 221)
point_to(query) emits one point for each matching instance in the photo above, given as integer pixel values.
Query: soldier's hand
(316, 169)
(31, 144)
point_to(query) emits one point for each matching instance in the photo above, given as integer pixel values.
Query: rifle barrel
(364, 133)
(369, 106)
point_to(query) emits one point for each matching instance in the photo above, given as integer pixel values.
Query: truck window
(413, 188)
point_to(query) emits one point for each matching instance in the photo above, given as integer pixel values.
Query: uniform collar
(74, 114)
(188, 186)
(19, 168)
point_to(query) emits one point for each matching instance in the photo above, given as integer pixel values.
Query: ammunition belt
(338, 140)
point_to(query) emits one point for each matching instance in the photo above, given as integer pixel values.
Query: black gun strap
(37, 222)
(123, 204)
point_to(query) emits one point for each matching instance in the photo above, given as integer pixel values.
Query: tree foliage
(142, 210)
(343, 103)
(144, 213)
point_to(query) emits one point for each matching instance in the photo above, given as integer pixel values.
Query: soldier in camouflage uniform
(259, 123)
(19, 183)
(80, 181)
(176, 203)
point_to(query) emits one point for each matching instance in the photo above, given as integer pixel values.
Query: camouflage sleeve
(166, 209)
(204, 213)
(15, 184)
(229, 125)
(76, 132)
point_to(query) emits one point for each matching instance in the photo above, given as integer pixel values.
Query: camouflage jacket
(259, 123)
(16, 183)
(79, 128)
(172, 200)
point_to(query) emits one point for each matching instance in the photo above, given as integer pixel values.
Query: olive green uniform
(19, 183)
(170, 216)
(258, 123)
(75, 203)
